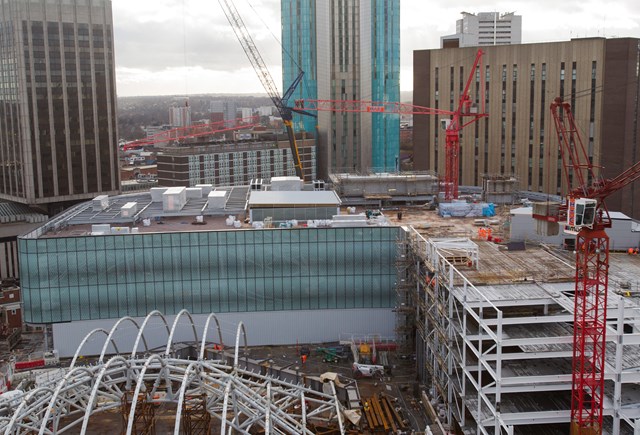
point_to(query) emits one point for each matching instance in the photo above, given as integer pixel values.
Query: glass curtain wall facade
(352, 48)
(385, 140)
(299, 53)
(106, 277)
(57, 101)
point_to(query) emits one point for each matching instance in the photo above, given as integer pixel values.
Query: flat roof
(619, 216)
(262, 198)
(616, 215)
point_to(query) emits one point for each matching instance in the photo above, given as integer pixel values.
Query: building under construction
(493, 330)
(490, 323)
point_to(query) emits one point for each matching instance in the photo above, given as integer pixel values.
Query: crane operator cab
(581, 212)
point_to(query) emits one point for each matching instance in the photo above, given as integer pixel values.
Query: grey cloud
(208, 39)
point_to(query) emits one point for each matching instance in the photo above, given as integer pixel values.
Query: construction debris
(381, 415)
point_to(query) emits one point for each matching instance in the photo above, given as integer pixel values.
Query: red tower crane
(193, 131)
(586, 215)
(466, 113)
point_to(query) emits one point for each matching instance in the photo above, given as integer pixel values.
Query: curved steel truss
(206, 389)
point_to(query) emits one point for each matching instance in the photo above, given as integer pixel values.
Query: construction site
(396, 303)
(494, 334)
(381, 302)
(480, 341)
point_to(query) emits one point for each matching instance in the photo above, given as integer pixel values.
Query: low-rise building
(234, 163)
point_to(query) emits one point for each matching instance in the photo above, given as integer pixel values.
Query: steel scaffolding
(239, 399)
(498, 357)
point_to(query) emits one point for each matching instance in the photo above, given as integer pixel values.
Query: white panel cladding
(263, 328)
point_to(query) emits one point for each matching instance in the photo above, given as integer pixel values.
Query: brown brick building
(10, 307)
(233, 164)
(600, 77)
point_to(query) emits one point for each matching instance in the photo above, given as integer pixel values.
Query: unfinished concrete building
(371, 188)
(500, 189)
(493, 332)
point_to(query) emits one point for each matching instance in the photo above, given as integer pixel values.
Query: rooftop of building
(150, 215)
(278, 142)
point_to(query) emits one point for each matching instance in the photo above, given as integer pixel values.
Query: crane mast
(586, 215)
(250, 49)
(452, 134)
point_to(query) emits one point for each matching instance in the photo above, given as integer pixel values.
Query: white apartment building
(485, 28)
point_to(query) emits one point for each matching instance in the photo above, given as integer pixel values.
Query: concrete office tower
(180, 116)
(229, 108)
(349, 50)
(58, 129)
(485, 28)
(597, 76)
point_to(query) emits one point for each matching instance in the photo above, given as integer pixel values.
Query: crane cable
(284, 49)
(184, 51)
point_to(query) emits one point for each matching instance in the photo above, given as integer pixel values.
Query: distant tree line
(134, 113)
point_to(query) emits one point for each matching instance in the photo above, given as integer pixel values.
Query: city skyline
(199, 53)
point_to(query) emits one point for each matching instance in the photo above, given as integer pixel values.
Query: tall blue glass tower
(385, 86)
(349, 50)
(299, 53)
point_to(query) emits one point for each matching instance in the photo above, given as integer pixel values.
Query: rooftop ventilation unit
(100, 203)
(129, 209)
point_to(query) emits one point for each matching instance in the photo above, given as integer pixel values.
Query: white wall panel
(263, 328)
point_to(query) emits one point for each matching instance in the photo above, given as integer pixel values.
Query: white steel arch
(84, 341)
(113, 331)
(173, 330)
(206, 330)
(153, 313)
(239, 400)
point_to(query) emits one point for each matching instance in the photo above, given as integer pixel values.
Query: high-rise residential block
(348, 50)
(180, 116)
(58, 128)
(485, 28)
(229, 108)
(598, 77)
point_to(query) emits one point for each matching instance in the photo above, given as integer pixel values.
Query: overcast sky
(181, 47)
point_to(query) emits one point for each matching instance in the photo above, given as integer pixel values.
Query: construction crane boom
(355, 106)
(465, 109)
(587, 217)
(192, 131)
(258, 64)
